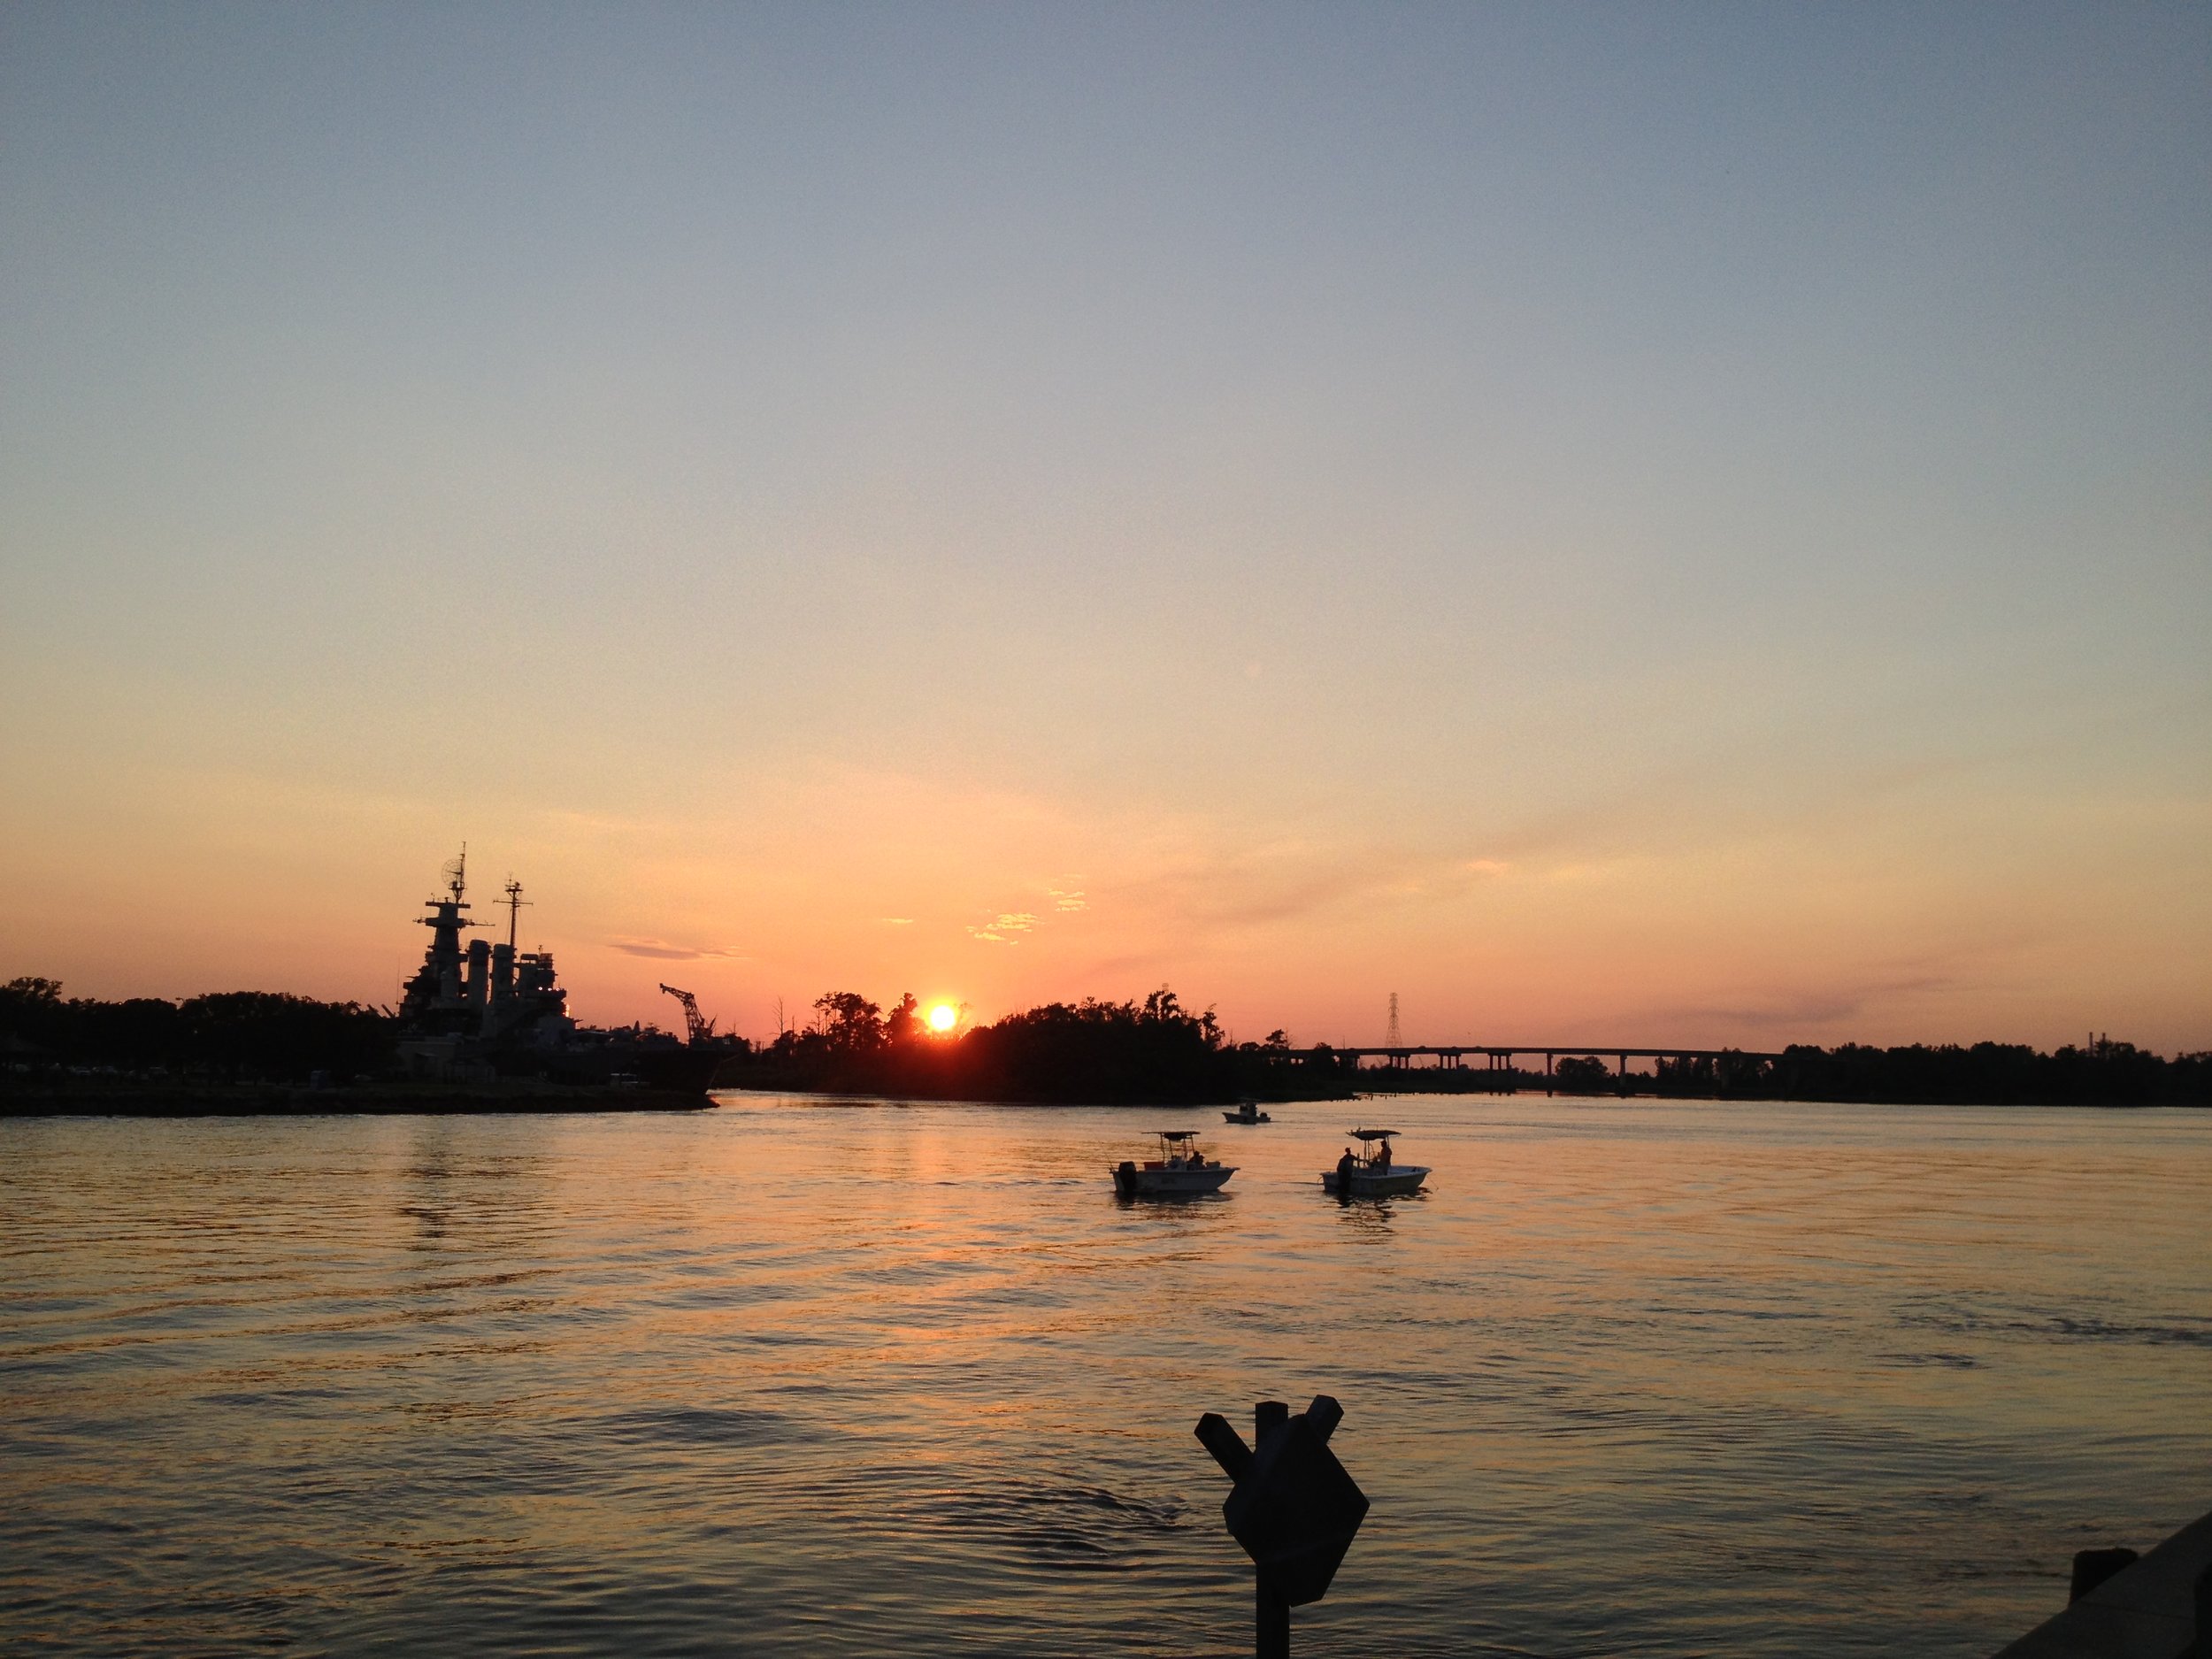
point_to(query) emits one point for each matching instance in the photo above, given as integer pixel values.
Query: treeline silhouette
(235, 1036)
(1159, 1050)
(2102, 1074)
(1156, 1051)
(1091, 1051)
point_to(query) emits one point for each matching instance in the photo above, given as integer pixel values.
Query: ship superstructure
(491, 992)
(484, 1010)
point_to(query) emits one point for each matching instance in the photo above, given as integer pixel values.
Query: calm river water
(796, 1377)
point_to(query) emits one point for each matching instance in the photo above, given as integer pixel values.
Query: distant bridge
(1499, 1057)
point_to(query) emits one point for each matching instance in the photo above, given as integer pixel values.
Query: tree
(1582, 1074)
(276, 1035)
(850, 1023)
(31, 1015)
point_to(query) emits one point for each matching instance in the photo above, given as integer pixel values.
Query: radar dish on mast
(455, 873)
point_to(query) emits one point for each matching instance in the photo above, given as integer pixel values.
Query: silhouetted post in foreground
(2093, 1567)
(1294, 1508)
(2160, 1606)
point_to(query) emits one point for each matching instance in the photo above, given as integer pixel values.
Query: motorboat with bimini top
(1373, 1172)
(1181, 1170)
(1248, 1111)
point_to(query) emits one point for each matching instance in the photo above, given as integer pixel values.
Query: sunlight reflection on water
(797, 1377)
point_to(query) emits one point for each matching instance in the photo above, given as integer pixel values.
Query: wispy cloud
(1273, 883)
(1800, 1009)
(1068, 899)
(1854, 997)
(896, 921)
(661, 951)
(1006, 930)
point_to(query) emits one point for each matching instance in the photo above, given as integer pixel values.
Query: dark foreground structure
(2157, 1608)
(1295, 1508)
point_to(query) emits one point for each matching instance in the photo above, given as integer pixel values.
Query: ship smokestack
(479, 980)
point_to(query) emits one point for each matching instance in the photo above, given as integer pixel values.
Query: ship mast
(515, 902)
(437, 987)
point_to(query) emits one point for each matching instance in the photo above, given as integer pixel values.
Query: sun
(944, 1017)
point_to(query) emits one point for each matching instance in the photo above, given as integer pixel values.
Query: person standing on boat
(1345, 1167)
(1382, 1155)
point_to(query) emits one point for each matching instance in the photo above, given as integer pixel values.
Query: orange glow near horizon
(1701, 628)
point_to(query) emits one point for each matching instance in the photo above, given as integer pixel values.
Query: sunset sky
(1647, 523)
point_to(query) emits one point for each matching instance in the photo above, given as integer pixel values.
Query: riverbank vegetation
(1159, 1050)
(2101, 1073)
(230, 1037)
(1156, 1051)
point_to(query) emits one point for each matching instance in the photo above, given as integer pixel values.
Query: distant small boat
(1181, 1170)
(1248, 1111)
(1374, 1174)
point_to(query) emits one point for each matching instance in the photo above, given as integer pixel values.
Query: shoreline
(1605, 1097)
(109, 1098)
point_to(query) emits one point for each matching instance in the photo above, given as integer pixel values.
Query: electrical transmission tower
(1394, 1041)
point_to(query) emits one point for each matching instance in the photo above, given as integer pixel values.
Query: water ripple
(1630, 1378)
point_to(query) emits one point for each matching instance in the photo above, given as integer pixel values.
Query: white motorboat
(1181, 1170)
(1248, 1111)
(1373, 1172)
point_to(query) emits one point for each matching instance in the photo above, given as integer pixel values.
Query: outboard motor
(1126, 1178)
